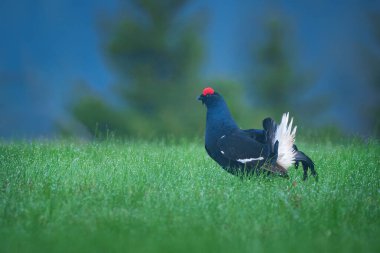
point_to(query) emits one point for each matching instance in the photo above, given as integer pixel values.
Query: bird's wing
(266, 135)
(257, 134)
(270, 128)
(240, 147)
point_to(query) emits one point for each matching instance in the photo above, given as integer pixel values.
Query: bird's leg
(305, 167)
(314, 173)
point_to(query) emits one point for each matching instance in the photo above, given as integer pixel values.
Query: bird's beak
(201, 98)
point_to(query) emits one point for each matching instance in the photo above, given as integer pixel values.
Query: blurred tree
(156, 53)
(276, 85)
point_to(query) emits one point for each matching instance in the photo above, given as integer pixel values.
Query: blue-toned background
(68, 67)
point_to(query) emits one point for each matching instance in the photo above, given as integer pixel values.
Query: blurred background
(134, 68)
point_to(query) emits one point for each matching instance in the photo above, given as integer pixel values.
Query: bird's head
(209, 97)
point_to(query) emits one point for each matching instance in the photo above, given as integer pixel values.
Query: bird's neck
(219, 119)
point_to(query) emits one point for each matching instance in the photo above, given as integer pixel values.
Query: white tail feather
(285, 136)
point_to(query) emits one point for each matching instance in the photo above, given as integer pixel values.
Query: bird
(270, 150)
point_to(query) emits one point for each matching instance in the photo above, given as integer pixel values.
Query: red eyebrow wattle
(208, 91)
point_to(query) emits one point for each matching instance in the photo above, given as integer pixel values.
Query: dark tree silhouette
(156, 53)
(276, 84)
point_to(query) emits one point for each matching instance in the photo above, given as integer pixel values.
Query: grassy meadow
(161, 196)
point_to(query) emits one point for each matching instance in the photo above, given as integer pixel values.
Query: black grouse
(240, 152)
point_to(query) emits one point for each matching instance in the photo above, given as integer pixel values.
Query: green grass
(159, 197)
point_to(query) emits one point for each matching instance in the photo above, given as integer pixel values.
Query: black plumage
(249, 151)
